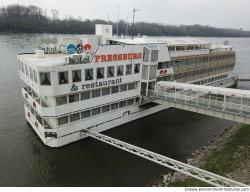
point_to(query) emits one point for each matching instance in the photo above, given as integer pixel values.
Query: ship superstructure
(98, 82)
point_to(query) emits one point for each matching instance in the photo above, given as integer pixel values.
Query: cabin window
(110, 72)
(76, 76)
(129, 69)
(180, 48)
(171, 48)
(154, 55)
(96, 111)
(115, 89)
(131, 86)
(74, 117)
(145, 55)
(88, 74)
(152, 73)
(137, 68)
(35, 76)
(105, 108)
(105, 91)
(122, 104)
(130, 102)
(61, 100)
(63, 77)
(85, 114)
(123, 87)
(45, 78)
(63, 120)
(85, 95)
(114, 106)
(73, 98)
(96, 93)
(120, 70)
(100, 73)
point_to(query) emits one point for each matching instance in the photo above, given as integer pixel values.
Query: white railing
(205, 176)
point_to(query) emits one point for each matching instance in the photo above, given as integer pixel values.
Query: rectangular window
(154, 55)
(130, 102)
(96, 93)
(122, 104)
(131, 86)
(74, 117)
(61, 100)
(63, 120)
(120, 70)
(45, 78)
(31, 73)
(73, 98)
(105, 108)
(85, 114)
(88, 74)
(100, 73)
(123, 87)
(96, 111)
(76, 76)
(114, 106)
(85, 95)
(137, 68)
(145, 55)
(115, 89)
(129, 69)
(35, 75)
(110, 72)
(152, 72)
(105, 91)
(63, 77)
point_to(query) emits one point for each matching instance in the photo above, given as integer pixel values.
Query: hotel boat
(99, 82)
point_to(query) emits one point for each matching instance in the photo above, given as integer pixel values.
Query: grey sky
(218, 13)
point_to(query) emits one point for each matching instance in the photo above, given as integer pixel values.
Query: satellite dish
(79, 48)
(71, 49)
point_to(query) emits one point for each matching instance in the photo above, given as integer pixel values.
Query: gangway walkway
(226, 103)
(205, 176)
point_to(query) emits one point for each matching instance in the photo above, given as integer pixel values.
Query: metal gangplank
(205, 176)
(226, 103)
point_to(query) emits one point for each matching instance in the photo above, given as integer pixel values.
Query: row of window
(94, 93)
(63, 77)
(202, 71)
(188, 47)
(190, 61)
(95, 111)
(209, 80)
(28, 71)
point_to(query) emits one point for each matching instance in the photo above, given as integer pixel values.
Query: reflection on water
(25, 161)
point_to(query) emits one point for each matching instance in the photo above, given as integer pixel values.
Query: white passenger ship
(99, 82)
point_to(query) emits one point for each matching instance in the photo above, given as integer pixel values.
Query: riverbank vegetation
(32, 19)
(230, 159)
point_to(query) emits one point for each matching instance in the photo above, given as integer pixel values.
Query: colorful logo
(71, 49)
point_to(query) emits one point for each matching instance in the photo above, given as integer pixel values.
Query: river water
(25, 161)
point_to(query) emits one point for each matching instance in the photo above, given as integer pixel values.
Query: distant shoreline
(31, 19)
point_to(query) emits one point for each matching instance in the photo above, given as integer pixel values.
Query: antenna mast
(134, 10)
(118, 10)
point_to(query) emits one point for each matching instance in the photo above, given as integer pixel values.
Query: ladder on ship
(200, 174)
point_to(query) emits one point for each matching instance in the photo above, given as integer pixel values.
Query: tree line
(32, 19)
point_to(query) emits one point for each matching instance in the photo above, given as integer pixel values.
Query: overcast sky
(218, 13)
